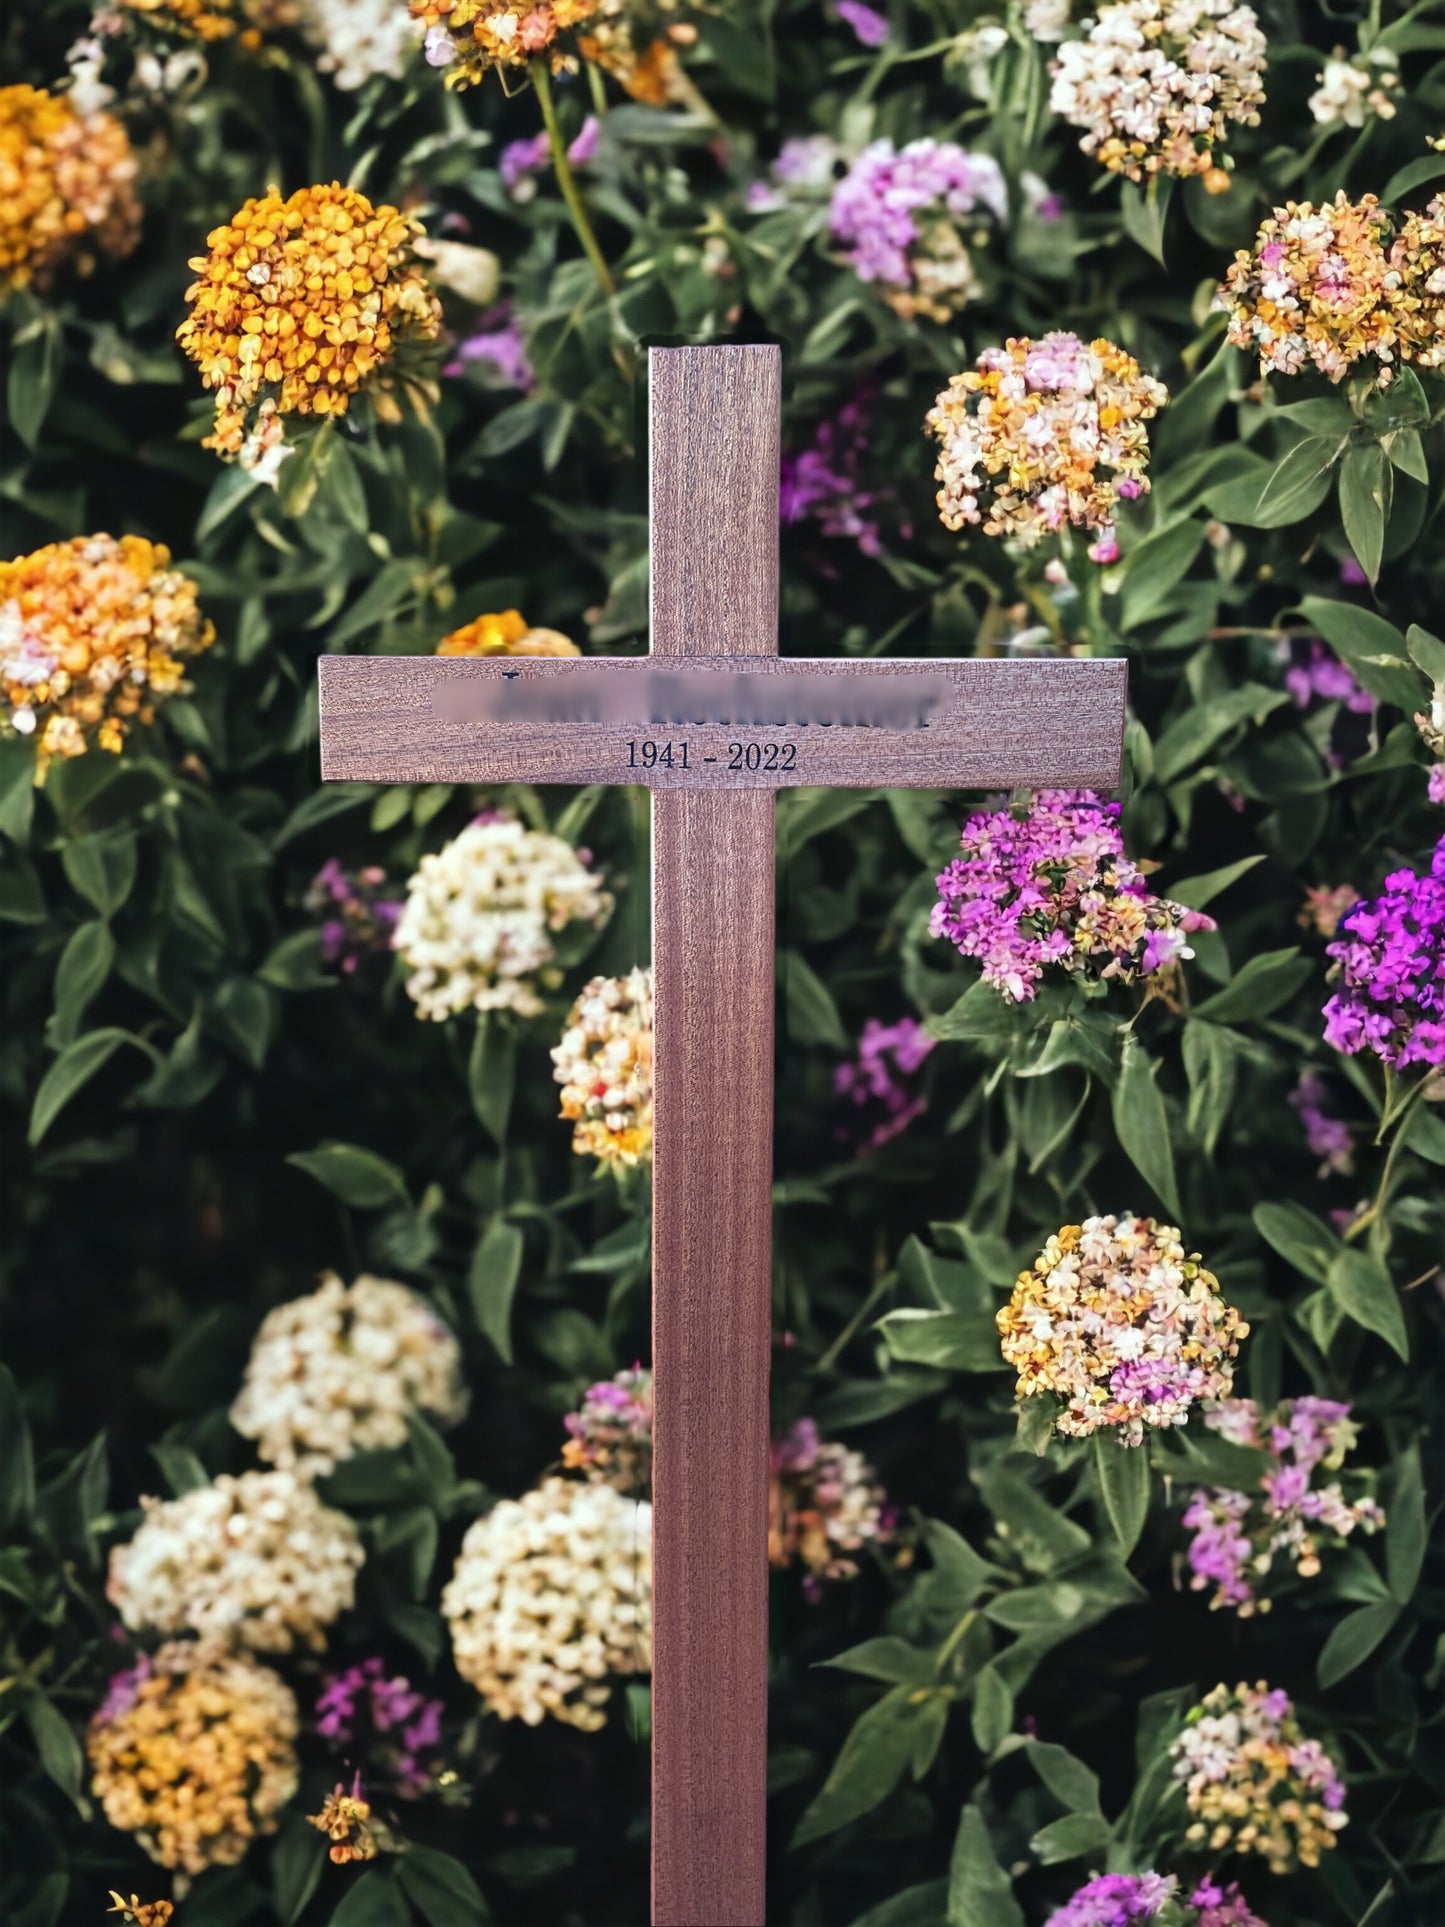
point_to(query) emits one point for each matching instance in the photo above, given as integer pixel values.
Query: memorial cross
(713, 722)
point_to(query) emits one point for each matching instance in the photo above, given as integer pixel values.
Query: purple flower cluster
(357, 918)
(872, 1082)
(1116, 1900)
(821, 483)
(1390, 963)
(521, 161)
(403, 1725)
(1051, 885)
(498, 344)
(1320, 674)
(1328, 1136)
(895, 212)
(1435, 784)
(1239, 1535)
(610, 1438)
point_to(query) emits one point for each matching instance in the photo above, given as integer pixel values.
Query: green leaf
(1145, 210)
(812, 1016)
(1154, 568)
(1404, 180)
(1364, 1291)
(873, 1759)
(1195, 892)
(38, 355)
(1072, 1784)
(73, 1069)
(1194, 733)
(355, 1175)
(1070, 1838)
(1427, 652)
(1372, 649)
(979, 1891)
(887, 1658)
(17, 1459)
(1353, 1640)
(1123, 1475)
(1258, 988)
(993, 1711)
(920, 1906)
(958, 1341)
(1141, 1124)
(959, 1574)
(1298, 484)
(1406, 452)
(180, 1467)
(1366, 487)
(295, 963)
(1300, 1238)
(1211, 1065)
(59, 1749)
(393, 582)
(492, 1073)
(375, 1901)
(1043, 1537)
(1405, 1534)
(17, 787)
(296, 1868)
(101, 868)
(492, 1282)
(319, 807)
(440, 1887)
(80, 976)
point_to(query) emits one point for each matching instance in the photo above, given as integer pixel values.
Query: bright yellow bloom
(93, 633)
(300, 304)
(195, 1754)
(470, 37)
(66, 187)
(507, 634)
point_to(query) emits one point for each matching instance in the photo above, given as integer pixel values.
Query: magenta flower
(870, 27)
(498, 348)
(821, 483)
(877, 1082)
(1321, 674)
(356, 917)
(897, 214)
(1116, 1900)
(1328, 1136)
(1390, 964)
(399, 1726)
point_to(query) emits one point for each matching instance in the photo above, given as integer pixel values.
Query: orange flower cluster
(470, 37)
(93, 633)
(214, 19)
(136, 1912)
(641, 55)
(195, 1754)
(1418, 257)
(507, 634)
(66, 187)
(345, 1819)
(299, 305)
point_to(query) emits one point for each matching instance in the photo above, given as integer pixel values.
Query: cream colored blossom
(604, 1065)
(551, 1598)
(359, 39)
(340, 1371)
(1318, 287)
(1351, 91)
(480, 917)
(256, 1561)
(468, 38)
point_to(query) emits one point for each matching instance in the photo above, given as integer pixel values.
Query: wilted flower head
(67, 191)
(1123, 1325)
(194, 1752)
(1253, 1782)
(1417, 257)
(638, 45)
(552, 1597)
(507, 634)
(1317, 287)
(1042, 434)
(340, 1370)
(399, 1727)
(604, 1065)
(1050, 885)
(610, 1437)
(901, 217)
(824, 1504)
(470, 37)
(1390, 966)
(94, 634)
(1155, 82)
(1350, 91)
(879, 1081)
(480, 916)
(356, 917)
(300, 305)
(1239, 1535)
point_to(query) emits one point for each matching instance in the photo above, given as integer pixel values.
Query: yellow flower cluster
(470, 37)
(345, 1819)
(604, 1065)
(507, 634)
(1418, 257)
(66, 187)
(93, 633)
(195, 1754)
(1254, 1782)
(300, 304)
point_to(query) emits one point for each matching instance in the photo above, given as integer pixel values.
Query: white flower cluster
(359, 39)
(1047, 20)
(552, 1594)
(256, 1561)
(477, 928)
(604, 1065)
(1350, 92)
(339, 1371)
(1153, 82)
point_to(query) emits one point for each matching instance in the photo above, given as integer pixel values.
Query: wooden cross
(713, 722)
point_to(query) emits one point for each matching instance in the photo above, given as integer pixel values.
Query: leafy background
(960, 1738)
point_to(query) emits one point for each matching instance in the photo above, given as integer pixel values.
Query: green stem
(1382, 1194)
(567, 180)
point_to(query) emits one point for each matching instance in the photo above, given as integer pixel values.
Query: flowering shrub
(1110, 330)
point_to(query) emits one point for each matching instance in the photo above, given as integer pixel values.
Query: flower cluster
(638, 46)
(1317, 287)
(1238, 1535)
(470, 37)
(340, 1370)
(610, 1438)
(1351, 91)
(1154, 83)
(874, 1081)
(1328, 1136)
(359, 39)
(901, 214)
(1252, 1780)
(136, 1912)
(1417, 256)
(507, 634)
(1123, 1325)
(300, 305)
(403, 1727)
(480, 916)
(1044, 433)
(824, 1504)
(1051, 885)
(804, 173)
(94, 633)
(552, 1596)
(345, 1819)
(194, 1752)
(1320, 675)
(1120, 1899)
(67, 191)
(356, 918)
(521, 161)
(822, 482)
(1389, 961)
(499, 345)
(257, 1561)
(604, 1065)
(205, 20)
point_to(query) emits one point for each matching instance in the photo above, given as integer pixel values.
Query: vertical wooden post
(714, 455)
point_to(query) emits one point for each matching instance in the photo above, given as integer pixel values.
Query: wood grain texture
(1001, 725)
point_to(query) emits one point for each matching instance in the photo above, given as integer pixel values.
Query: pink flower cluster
(824, 1504)
(1120, 1899)
(402, 1726)
(1321, 674)
(897, 211)
(356, 917)
(873, 1082)
(1390, 965)
(1239, 1535)
(821, 483)
(1328, 1136)
(497, 344)
(610, 1438)
(1051, 886)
